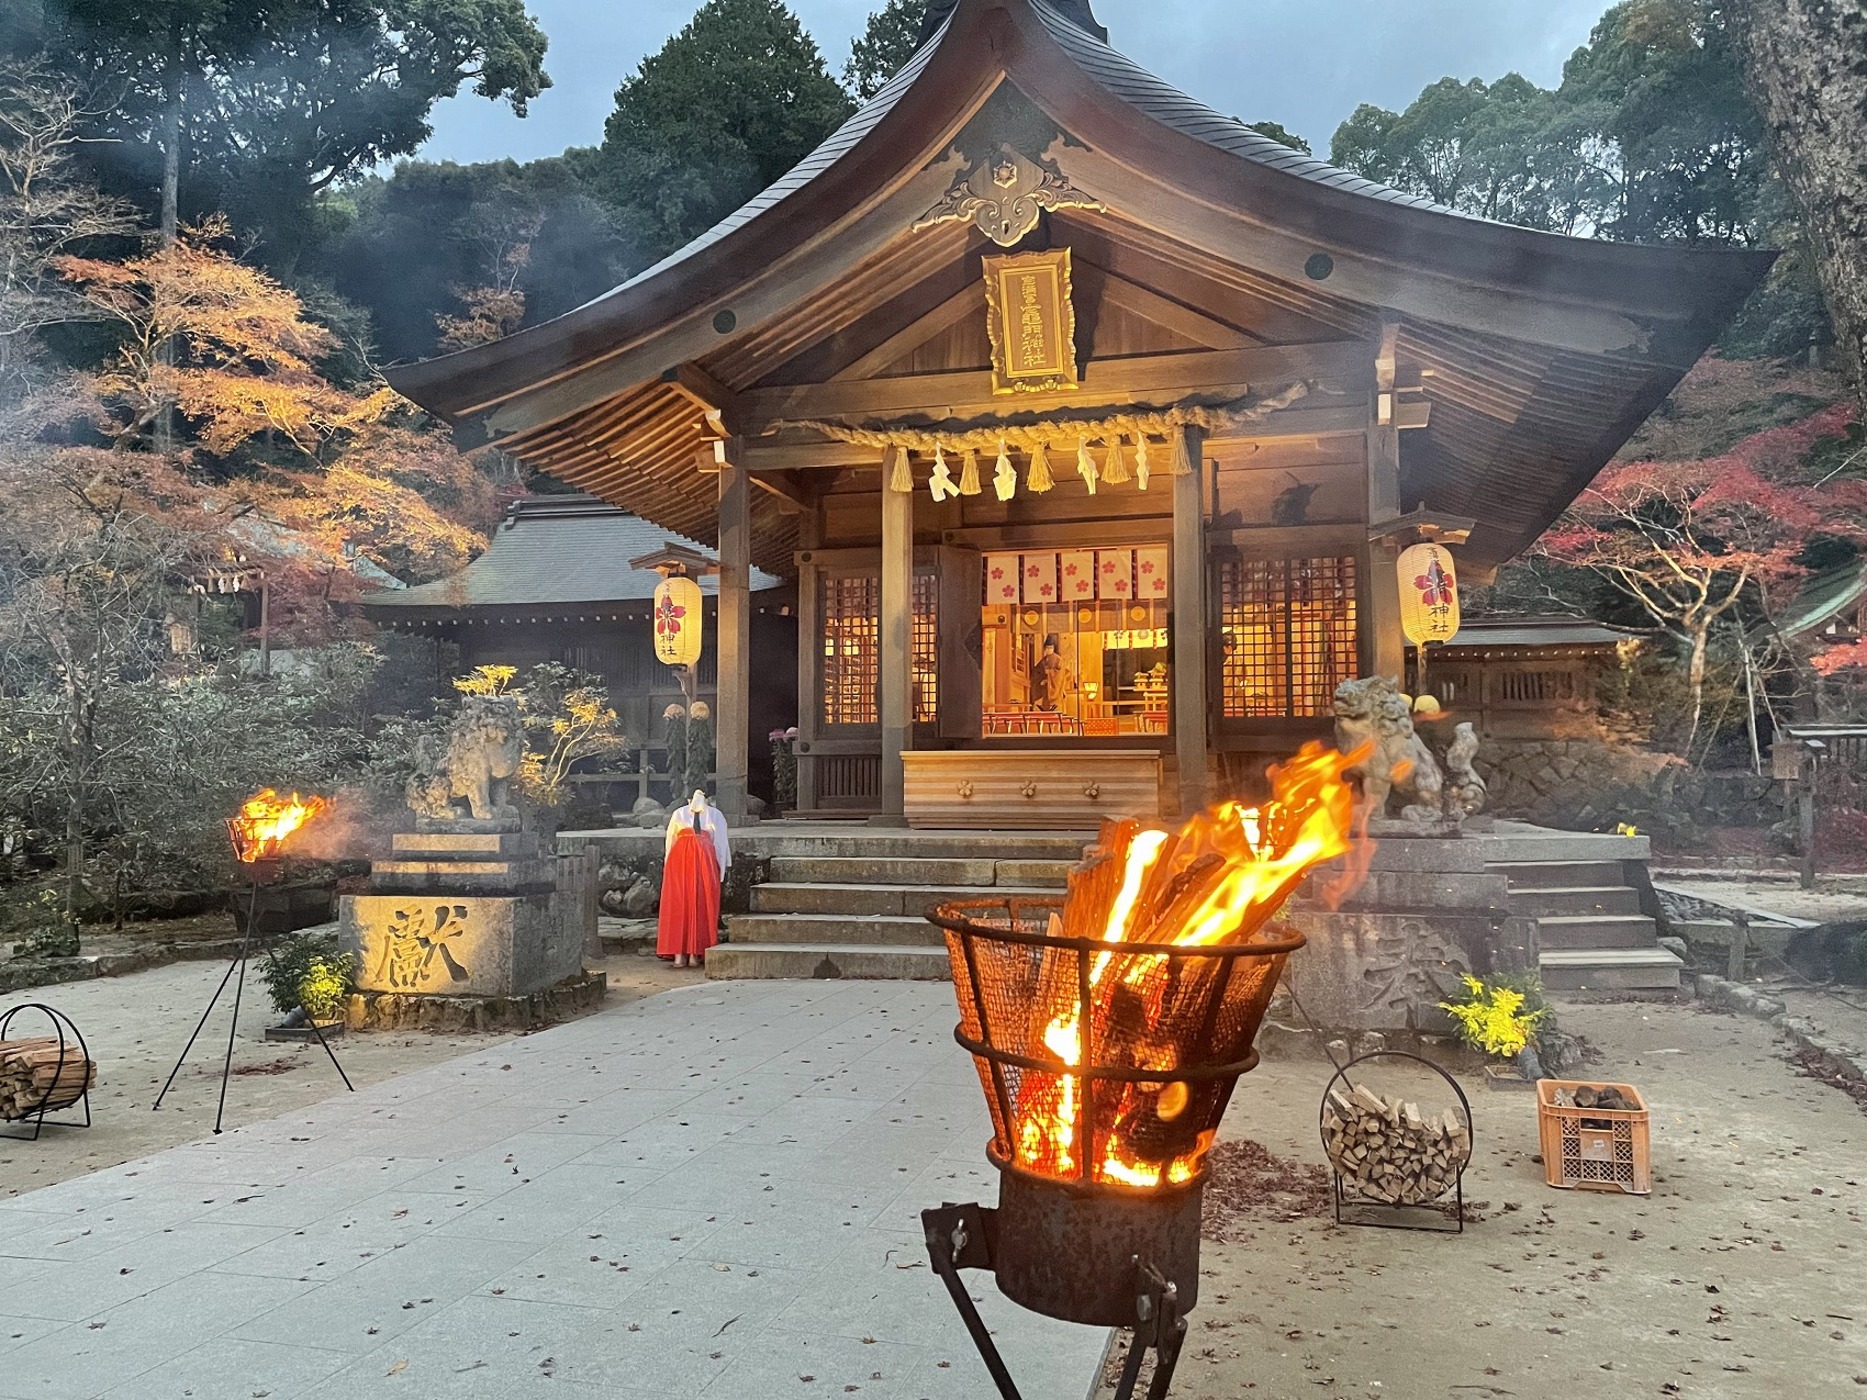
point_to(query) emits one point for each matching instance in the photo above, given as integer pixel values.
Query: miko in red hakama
(690, 886)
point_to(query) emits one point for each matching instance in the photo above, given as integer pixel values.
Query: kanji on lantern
(677, 621)
(1429, 594)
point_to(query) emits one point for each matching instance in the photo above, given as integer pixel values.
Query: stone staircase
(1590, 931)
(852, 906)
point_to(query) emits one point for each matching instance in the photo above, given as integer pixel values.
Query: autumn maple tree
(1697, 543)
(347, 470)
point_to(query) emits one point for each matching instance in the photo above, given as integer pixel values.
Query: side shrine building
(1088, 422)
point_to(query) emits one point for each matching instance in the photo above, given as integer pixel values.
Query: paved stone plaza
(715, 1192)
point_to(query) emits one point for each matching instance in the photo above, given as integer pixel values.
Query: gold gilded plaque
(1032, 322)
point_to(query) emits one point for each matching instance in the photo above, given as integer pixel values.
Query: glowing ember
(1217, 881)
(267, 821)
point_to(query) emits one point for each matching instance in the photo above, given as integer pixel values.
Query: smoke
(358, 826)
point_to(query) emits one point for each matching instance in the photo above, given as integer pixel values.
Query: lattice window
(852, 649)
(924, 648)
(1291, 635)
(852, 607)
(1533, 687)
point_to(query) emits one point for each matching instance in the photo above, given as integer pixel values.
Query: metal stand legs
(961, 1237)
(226, 1068)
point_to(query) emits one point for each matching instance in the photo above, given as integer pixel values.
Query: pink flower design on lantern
(1435, 588)
(668, 617)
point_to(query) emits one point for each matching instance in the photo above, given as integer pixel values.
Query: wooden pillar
(809, 655)
(732, 713)
(1386, 644)
(1191, 703)
(897, 619)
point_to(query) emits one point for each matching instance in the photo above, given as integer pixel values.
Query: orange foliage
(200, 330)
(231, 352)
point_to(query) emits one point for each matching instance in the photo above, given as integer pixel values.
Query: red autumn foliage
(1690, 540)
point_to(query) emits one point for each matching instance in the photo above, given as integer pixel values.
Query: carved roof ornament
(1005, 196)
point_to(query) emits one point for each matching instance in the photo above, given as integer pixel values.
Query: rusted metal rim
(952, 917)
(1191, 1075)
(1076, 1186)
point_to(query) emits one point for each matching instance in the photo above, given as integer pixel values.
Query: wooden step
(909, 900)
(1597, 931)
(1550, 901)
(803, 960)
(840, 929)
(1609, 969)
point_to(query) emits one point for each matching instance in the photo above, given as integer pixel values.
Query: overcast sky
(1305, 63)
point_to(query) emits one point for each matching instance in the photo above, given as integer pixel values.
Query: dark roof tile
(558, 550)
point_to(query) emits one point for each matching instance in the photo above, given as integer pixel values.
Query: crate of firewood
(43, 1074)
(1594, 1136)
(1389, 1151)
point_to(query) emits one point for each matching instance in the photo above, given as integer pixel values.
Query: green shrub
(326, 985)
(290, 964)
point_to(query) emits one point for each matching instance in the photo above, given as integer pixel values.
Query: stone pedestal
(464, 909)
(1428, 913)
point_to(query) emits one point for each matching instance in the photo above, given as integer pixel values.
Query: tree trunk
(1695, 676)
(171, 213)
(1805, 63)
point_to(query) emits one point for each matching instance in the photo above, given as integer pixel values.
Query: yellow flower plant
(1493, 1018)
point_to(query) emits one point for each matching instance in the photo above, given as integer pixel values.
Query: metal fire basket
(1104, 1228)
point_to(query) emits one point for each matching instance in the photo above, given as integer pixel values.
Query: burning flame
(1218, 880)
(267, 821)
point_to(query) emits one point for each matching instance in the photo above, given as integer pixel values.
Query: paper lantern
(1429, 594)
(677, 621)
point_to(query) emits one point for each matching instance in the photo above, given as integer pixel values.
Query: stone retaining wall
(1592, 784)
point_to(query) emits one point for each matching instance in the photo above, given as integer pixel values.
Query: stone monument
(1433, 904)
(467, 922)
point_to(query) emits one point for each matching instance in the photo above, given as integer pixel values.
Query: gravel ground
(137, 1025)
(1741, 1276)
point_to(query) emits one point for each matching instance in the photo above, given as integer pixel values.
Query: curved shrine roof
(1548, 349)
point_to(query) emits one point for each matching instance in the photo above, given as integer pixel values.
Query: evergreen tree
(723, 110)
(252, 108)
(1282, 135)
(889, 41)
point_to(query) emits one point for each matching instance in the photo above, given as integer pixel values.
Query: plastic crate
(1594, 1149)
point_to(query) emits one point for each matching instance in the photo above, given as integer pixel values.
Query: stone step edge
(1609, 957)
(933, 893)
(915, 964)
(1571, 919)
(1571, 889)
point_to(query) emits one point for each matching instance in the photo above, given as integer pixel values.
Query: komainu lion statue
(475, 763)
(1465, 790)
(1373, 711)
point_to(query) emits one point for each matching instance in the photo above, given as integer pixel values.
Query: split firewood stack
(1391, 1151)
(38, 1073)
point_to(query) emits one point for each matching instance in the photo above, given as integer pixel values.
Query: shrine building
(1087, 421)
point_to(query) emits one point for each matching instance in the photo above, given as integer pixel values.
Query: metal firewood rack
(1353, 1207)
(58, 1098)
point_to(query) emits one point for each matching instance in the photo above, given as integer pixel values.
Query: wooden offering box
(1030, 789)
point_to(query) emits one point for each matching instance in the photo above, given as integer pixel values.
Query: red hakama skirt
(690, 898)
